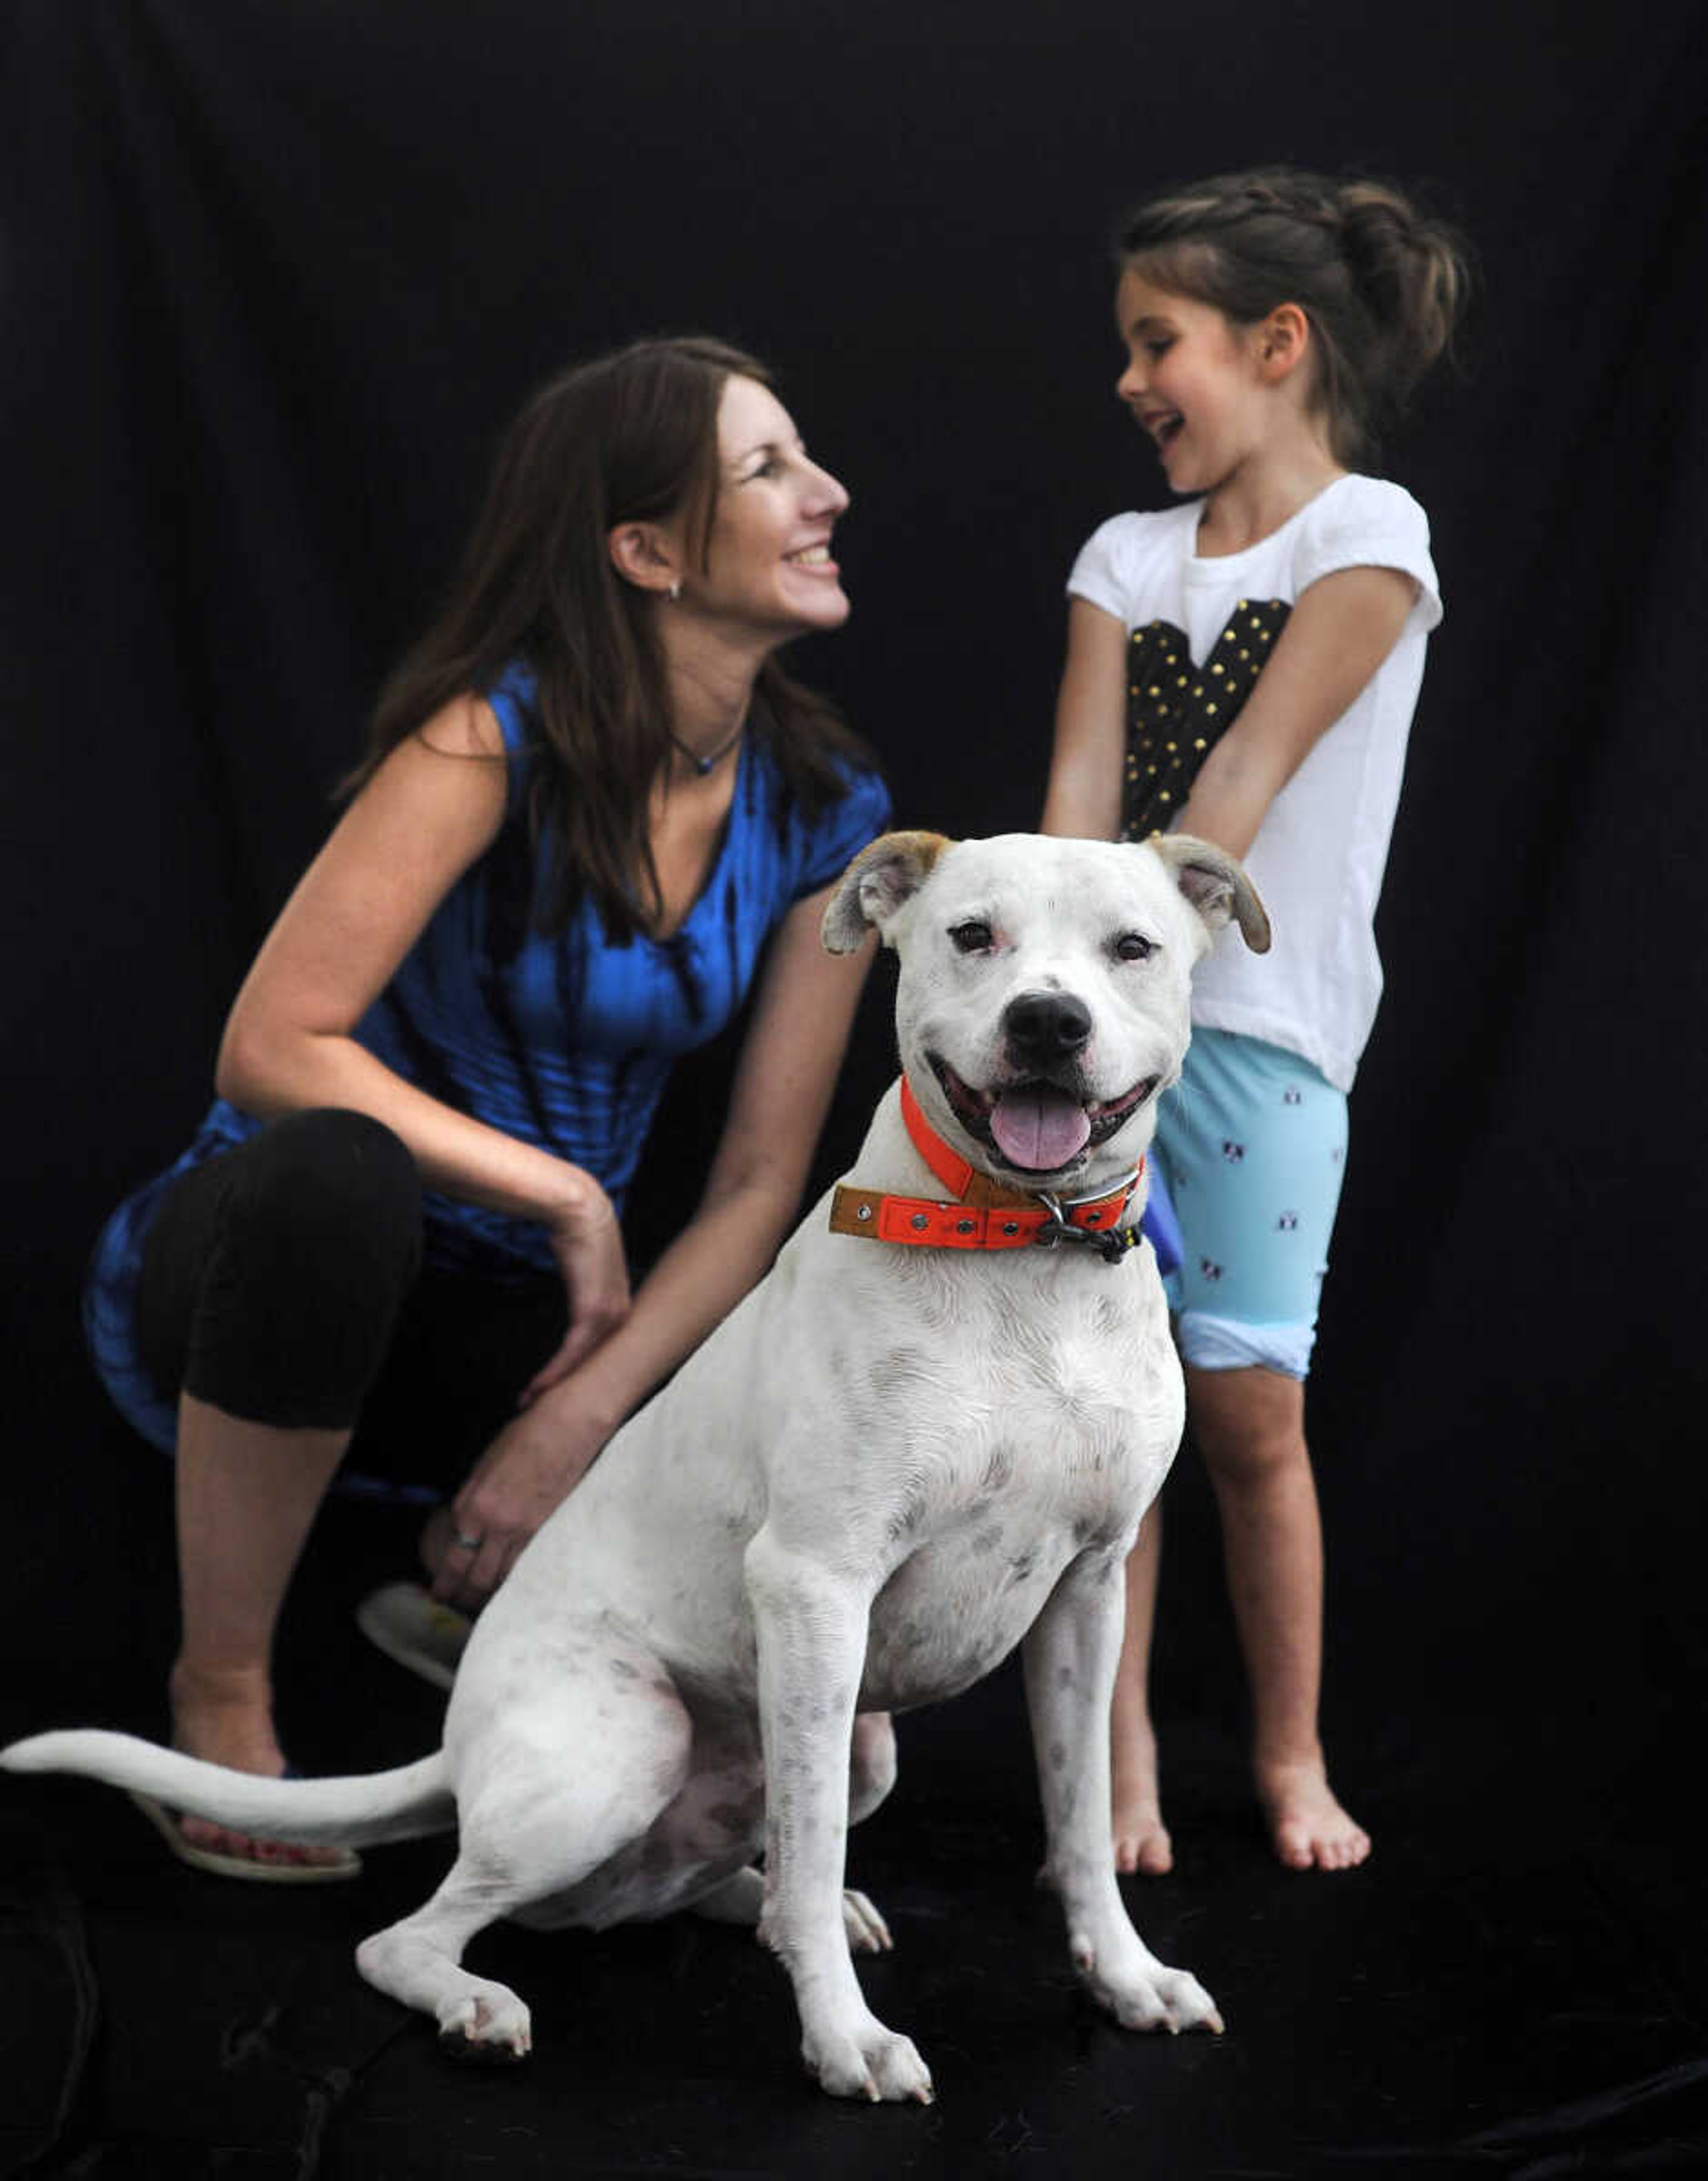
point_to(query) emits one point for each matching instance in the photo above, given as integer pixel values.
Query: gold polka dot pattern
(1176, 709)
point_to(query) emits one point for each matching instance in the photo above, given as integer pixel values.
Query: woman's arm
(790, 1060)
(1339, 632)
(433, 808)
(1083, 798)
(802, 1012)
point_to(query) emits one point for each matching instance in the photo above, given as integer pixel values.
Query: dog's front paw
(1144, 1993)
(873, 2062)
(1173, 2000)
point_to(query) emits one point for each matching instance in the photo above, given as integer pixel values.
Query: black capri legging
(281, 1282)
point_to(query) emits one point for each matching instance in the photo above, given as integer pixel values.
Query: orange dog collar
(981, 1214)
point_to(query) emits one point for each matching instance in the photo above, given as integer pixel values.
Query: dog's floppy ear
(886, 873)
(1215, 884)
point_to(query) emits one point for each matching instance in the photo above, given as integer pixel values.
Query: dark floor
(1514, 1986)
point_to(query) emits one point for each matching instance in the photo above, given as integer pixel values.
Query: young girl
(1245, 666)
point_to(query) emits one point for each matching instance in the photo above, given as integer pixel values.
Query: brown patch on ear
(886, 873)
(1215, 884)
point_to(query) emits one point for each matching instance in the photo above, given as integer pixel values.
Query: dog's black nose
(1046, 1025)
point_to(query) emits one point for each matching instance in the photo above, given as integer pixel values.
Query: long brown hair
(1381, 282)
(628, 436)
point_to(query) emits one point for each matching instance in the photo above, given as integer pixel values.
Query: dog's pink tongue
(1040, 1127)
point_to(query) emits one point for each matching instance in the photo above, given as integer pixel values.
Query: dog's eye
(1133, 947)
(971, 938)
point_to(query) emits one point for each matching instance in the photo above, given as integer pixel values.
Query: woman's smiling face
(768, 560)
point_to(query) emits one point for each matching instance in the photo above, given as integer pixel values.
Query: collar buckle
(1111, 1243)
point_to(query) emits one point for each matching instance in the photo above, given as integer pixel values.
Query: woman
(592, 800)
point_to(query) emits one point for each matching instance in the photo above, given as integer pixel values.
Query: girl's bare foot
(1141, 1844)
(228, 1719)
(1310, 1829)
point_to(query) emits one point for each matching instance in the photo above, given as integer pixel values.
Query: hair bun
(1410, 270)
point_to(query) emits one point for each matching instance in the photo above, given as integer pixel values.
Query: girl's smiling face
(1191, 381)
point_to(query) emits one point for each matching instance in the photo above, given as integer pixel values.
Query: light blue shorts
(1252, 1143)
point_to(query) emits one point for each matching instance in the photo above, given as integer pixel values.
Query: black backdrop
(272, 273)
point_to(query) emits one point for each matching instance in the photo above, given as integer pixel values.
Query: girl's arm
(803, 1010)
(434, 807)
(1086, 767)
(1339, 632)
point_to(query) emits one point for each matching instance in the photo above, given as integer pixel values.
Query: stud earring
(676, 591)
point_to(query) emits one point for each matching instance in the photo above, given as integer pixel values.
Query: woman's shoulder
(494, 723)
(508, 700)
(808, 840)
(865, 800)
(470, 726)
(851, 781)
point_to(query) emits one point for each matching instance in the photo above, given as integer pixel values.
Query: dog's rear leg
(742, 1900)
(870, 1776)
(419, 1963)
(871, 1764)
(541, 1819)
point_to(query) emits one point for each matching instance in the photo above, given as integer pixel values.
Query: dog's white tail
(359, 1811)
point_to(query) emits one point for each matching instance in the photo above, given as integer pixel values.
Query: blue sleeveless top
(565, 1042)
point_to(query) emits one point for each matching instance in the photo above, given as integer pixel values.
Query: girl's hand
(588, 1246)
(536, 1461)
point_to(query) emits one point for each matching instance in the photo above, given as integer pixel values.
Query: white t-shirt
(1320, 854)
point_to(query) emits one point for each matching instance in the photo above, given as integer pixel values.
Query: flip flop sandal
(170, 1824)
(415, 1630)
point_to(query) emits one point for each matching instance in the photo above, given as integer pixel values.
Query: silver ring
(466, 1544)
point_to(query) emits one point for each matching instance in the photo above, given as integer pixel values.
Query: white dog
(931, 1431)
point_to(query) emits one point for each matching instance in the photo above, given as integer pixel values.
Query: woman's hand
(587, 1243)
(536, 1461)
